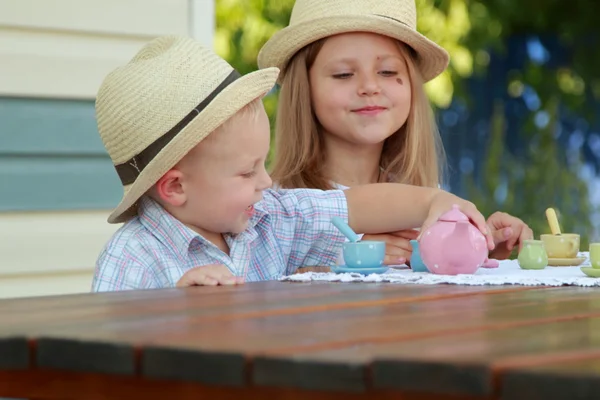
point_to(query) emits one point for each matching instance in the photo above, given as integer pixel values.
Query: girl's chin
(365, 139)
(368, 137)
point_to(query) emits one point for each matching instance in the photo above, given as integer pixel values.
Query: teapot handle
(572, 245)
(490, 263)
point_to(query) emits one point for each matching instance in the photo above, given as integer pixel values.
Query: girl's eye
(389, 73)
(249, 174)
(344, 75)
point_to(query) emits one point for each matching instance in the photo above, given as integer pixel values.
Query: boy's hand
(397, 245)
(209, 275)
(443, 202)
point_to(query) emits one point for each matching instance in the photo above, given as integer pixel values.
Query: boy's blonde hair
(253, 108)
(413, 155)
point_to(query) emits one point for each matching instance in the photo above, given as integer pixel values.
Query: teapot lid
(454, 215)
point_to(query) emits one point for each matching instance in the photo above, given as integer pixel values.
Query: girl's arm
(389, 207)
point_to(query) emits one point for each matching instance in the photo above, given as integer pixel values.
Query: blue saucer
(340, 269)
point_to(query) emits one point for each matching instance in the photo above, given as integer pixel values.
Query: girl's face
(360, 88)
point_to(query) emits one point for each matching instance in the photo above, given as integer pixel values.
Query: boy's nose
(266, 181)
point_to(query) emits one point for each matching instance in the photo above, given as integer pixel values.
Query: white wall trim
(202, 21)
(46, 285)
(49, 253)
(38, 243)
(65, 48)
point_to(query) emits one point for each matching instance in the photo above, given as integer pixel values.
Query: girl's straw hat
(312, 20)
(152, 111)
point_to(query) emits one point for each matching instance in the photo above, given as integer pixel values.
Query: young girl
(352, 107)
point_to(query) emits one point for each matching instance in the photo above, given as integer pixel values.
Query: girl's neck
(351, 165)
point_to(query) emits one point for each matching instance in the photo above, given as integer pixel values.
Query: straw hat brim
(281, 47)
(232, 99)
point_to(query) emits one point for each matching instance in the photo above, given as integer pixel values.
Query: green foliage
(573, 22)
(540, 180)
(543, 178)
(243, 26)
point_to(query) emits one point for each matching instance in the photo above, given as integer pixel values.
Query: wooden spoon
(553, 221)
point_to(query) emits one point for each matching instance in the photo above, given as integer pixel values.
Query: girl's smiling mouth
(369, 110)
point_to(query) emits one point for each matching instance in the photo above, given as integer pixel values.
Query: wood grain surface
(281, 340)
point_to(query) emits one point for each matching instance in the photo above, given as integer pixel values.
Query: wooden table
(277, 340)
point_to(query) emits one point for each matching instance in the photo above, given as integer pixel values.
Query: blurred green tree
(548, 176)
(527, 186)
(468, 29)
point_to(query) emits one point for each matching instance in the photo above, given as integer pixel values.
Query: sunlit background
(518, 111)
(517, 108)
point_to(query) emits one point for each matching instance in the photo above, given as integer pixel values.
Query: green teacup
(595, 255)
(533, 255)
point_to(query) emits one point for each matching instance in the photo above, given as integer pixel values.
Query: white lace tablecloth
(508, 273)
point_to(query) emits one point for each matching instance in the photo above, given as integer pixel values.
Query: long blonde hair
(413, 155)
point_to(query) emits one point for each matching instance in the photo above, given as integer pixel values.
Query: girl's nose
(369, 86)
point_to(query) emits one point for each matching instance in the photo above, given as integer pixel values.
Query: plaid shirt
(289, 229)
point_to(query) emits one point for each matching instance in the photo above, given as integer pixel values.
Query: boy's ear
(170, 189)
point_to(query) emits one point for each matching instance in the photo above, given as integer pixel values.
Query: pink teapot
(453, 245)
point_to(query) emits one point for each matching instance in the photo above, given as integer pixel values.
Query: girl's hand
(443, 202)
(397, 245)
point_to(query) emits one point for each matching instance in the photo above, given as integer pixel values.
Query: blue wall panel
(51, 157)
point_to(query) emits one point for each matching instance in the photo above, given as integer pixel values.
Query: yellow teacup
(565, 245)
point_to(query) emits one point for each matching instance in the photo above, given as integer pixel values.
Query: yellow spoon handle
(553, 221)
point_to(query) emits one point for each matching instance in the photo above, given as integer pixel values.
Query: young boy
(189, 138)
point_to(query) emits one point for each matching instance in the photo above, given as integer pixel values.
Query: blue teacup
(364, 254)
(416, 263)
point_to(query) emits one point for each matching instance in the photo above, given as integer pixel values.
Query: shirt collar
(174, 234)
(166, 228)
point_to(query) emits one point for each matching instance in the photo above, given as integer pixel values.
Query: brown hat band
(131, 169)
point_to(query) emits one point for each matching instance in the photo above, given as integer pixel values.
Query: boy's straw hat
(152, 111)
(312, 20)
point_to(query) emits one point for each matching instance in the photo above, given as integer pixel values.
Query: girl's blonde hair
(413, 155)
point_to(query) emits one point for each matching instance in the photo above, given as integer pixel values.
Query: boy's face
(224, 176)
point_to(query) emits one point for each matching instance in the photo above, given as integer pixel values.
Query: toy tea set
(453, 245)
(558, 250)
(361, 256)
